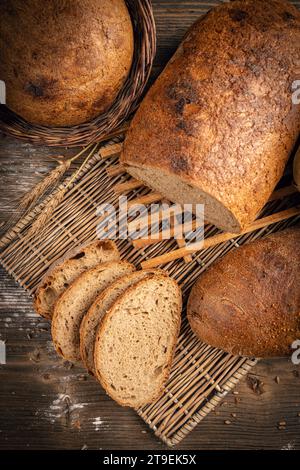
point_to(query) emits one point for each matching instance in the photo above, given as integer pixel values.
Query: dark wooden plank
(34, 409)
(35, 413)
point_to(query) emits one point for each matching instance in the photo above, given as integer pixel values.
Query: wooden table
(45, 404)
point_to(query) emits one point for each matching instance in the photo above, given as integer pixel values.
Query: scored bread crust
(129, 292)
(76, 286)
(62, 263)
(85, 327)
(248, 304)
(219, 123)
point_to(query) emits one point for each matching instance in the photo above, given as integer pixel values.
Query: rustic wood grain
(46, 405)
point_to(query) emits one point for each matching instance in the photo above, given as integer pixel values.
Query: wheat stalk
(46, 213)
(35, 196)
(31, 198)
(39, 224)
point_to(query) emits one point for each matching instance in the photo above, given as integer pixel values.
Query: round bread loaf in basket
(107, 123)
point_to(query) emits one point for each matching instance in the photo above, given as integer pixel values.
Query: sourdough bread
(64, 61)
(74, 303)
(96, 312)
(248, 303)
(218, 125)
(136, 340)
(66, 269)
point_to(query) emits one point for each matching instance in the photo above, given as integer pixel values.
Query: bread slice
(96, 312)
(73, 304)
(66, 269)
(136, 340)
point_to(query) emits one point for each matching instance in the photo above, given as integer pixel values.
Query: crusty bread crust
(85, 327)
(101, 330)
(248, 303)
(64, 61)
(63, 262)
(220, 117)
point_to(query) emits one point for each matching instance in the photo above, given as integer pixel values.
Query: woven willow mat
(201, 375)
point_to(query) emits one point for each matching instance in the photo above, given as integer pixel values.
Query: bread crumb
(282, 423)
(256, 385)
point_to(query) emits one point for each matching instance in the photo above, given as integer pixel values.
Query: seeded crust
(218, 125)
(74, 303)
(91, 321)
(122, 366)
(63, 272)
(248, 303)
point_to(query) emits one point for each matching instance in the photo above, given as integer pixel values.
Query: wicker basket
(125, 103)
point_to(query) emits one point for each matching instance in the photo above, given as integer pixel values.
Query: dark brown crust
(64, 63)
(58, 264)
(221, 116)
(104, 321)
(248, 304)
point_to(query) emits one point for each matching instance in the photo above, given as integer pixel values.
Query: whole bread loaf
(249, 302)
(64, 61)
(218, 125)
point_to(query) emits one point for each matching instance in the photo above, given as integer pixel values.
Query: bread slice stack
(96, 313)
(136, 339)
(121, 323)
(73, 304)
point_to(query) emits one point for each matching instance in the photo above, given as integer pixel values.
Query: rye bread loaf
(136, 340)
(248, 303)
(64, 61)
(296, 169)
(96, 312)
(74, 303)
(218, 125)
(63, 272)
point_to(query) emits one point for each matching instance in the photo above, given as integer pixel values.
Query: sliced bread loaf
(248, 303)
(102, 304)
(136, 340)
(218, 125)
(66, 269)
(73, 304)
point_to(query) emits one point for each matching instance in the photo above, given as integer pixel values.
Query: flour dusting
(62, 407)
(289, 446)
(98, 423)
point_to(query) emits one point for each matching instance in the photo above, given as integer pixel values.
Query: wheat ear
(40, 222)
(35, 196)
